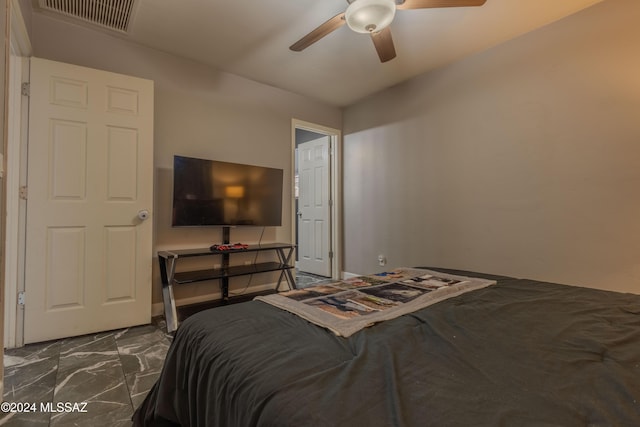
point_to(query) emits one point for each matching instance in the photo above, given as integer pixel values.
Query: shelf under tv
(219, 273)
(168, 260)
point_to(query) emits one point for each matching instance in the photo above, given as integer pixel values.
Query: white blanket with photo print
(347, 306)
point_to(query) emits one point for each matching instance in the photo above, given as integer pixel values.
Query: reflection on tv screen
(209, 192)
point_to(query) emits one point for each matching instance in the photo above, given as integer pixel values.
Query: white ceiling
(251, 38)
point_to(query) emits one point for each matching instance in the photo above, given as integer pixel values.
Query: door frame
(335, 189)
(15, 173)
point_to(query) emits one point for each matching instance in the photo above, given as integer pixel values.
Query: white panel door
(90, 172)
(314, 225)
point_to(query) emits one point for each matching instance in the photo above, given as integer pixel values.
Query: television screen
(209, 192)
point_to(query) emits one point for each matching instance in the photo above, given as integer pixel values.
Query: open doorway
(316, 204)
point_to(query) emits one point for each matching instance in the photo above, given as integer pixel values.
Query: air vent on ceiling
(112, 14)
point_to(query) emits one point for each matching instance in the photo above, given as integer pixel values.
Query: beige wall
(199, 112)
(522, 160)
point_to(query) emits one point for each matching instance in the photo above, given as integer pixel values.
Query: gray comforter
(520, 353)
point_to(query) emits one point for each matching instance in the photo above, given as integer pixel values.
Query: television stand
(168, 260)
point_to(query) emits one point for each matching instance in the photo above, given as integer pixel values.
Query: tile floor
(304, 280)
(112, 372)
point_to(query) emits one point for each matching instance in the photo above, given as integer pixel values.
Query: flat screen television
(209, 192)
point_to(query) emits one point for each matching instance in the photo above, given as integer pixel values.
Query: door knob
(143, 214)
(299, 214)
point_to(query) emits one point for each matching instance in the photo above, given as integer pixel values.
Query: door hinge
(25, 89)
(330, 254)
(21, 298)
(23, 192)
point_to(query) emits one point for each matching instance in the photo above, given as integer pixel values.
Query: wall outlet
(382, 260)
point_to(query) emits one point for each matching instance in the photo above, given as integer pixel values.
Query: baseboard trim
(347, 275)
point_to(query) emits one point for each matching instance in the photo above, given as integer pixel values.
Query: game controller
(229, 247)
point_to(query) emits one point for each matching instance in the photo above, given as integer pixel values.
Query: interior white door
(90, 174)
(314, 225)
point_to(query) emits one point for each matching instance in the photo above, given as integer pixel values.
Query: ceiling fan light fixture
(368, 16)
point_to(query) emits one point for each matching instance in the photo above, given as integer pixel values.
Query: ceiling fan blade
(384, 44)
(315, 35)
(423, 4)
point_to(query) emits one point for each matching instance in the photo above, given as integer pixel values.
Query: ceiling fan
(373, 17)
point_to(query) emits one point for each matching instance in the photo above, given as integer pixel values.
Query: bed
(518, 353)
